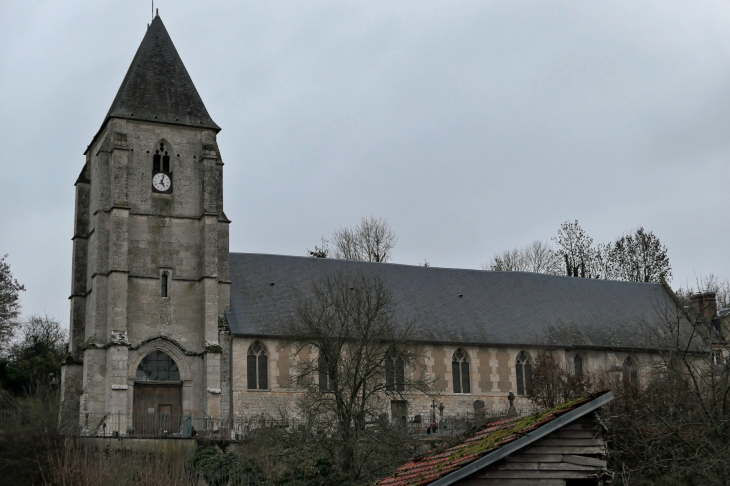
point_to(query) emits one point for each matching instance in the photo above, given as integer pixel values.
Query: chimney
(706, 304)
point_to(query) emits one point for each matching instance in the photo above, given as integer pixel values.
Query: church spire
(157, 86)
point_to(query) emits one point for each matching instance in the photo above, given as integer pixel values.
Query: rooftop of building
(461, 306)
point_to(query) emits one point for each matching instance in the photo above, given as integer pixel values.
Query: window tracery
(460, 372)
(257, 367)
(523, 370)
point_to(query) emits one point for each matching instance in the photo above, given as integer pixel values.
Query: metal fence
(157, 425)
(425, 426)
(163, 425)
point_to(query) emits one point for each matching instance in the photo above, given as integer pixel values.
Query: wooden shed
(561, 447)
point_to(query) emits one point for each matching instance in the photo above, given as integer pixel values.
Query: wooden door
(157, 409)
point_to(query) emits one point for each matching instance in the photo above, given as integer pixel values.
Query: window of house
(257, 367)
(157, 366)
(161, 159)
(578, 365)
(630, 374)
(323, 375)
(523, 369)
(163, 285)
(395, 374)
(460, 372)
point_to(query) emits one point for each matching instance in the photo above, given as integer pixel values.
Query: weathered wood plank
(579, 426)
(542, 466)
(510, 482)
(580, 451)
(534, 458)
(586, 461)
(534, 474)
(575, 434)
(569, 442)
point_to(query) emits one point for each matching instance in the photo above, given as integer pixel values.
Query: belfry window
(163, 285)
(161, 159)
(394, 374)
(257, 367)
(460, 372)
(157, 366)
(523, 369)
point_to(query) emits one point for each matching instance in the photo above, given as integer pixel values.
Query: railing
(157, 425)
(424, 427)
(163, 425)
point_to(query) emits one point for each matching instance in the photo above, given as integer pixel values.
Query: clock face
(161, 182)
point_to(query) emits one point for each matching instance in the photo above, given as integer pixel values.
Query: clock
(161, 182)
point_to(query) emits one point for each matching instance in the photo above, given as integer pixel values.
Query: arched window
(157, 366)
(161, 159)
(523, 369)
(630, 373)
(460, 372)
(578, 365)
(395, 375)
(257, 367)
(163, 284)
(323, 375)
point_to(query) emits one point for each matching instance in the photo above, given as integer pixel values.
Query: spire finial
(153, 9)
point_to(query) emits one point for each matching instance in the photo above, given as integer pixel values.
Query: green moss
(490, 442)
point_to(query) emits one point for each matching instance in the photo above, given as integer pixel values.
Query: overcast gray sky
(472, 126)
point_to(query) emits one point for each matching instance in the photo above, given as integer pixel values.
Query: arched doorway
(157, 395)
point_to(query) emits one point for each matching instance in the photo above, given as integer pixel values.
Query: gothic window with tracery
(323, 374)
(257, 367)
(157, 366)
(578, 365)
(523, 369)
(460, 372)
(630, 373)
(395, 375)
(161, 159)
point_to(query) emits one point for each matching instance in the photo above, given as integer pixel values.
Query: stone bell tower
(150, 251)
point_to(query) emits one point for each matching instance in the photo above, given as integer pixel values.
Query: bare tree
(575, 248)
(363, 356)
(721, 288)
(637, 257)
(506, 261)
(43, 332)
(371, 241)
(36, 355)
(9, 303)
(537, 257)
(676, 429)
(322, 251)
(553, 383)
(640, 257)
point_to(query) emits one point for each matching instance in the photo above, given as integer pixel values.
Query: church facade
(165, 320)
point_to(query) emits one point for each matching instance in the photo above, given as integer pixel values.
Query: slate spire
(157, 86)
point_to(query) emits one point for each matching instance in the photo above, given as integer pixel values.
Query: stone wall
(492, 376)
(125, 237)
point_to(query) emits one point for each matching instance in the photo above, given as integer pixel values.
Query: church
(166, 320)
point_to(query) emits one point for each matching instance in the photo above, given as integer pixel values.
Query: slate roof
(460, 306)
(496, 441)
(157, 86)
